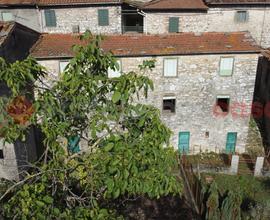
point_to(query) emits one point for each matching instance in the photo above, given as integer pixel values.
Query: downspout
(142, 13)
(263, 25)
(40, 18)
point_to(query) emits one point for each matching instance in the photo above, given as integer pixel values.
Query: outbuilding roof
(59, 45)
(55, 2)
(175, 5)
(237, 2)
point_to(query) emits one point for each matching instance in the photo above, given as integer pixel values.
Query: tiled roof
(59, 45)
(5, 29)
(175, 5)
(18, 2)
(236, 2)
(75, 2)
(56, 2)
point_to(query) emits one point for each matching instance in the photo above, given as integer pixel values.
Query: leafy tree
(124, 145)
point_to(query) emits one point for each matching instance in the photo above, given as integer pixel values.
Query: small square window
(169, 104)
(1, 154)
(76, 29)
(115, 73)
(241, 16)
(7, 16)
(63, 65)
(170, 67)
(223, 102)
(226, 66)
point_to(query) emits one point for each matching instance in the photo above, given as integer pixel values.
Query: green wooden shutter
(183, 142)
(173, 25)
(231, 142)
(50, 18)
(103, 17)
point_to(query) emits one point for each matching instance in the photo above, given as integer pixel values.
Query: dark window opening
(132, 20)
(223, 103)
(1, 154)
(169, 105)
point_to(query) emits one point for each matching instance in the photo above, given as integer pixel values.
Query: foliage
(210, 159)
(254, 140)
(124, 145)
(259, 211)
(239, 197)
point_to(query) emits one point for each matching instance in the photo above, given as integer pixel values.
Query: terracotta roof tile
(236, 2)
(18, 2)
(75, 2)
(175, 5)
(56, 2)
(59, 45)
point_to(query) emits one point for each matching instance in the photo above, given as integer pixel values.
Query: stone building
(203, 83)
(149, 17)
(65, 16)
(13, 157)
(165, 16)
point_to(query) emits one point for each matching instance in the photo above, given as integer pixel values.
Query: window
(223, 102)
(76, 29)
(103, 17)
(1, 154)
(7, 16)
(241, 16)
(115, 73)
(170, 67)
(50, 18)
(169, 104)
(226, 66)
(63, 65)
(173, 25)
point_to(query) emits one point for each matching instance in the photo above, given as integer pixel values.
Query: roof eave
(147, 55)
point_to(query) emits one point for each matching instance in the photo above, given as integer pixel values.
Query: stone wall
(86, 18)
(215, 20)
(26, 16)
(196, 88)
(17, 156)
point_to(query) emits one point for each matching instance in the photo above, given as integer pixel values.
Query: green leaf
(48, 199)
(108, 147)
(116, 193)
(116, 97)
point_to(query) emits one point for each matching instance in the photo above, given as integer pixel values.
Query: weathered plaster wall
(215, 20)
(196, 87)
(86, 18)
(26, 16)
